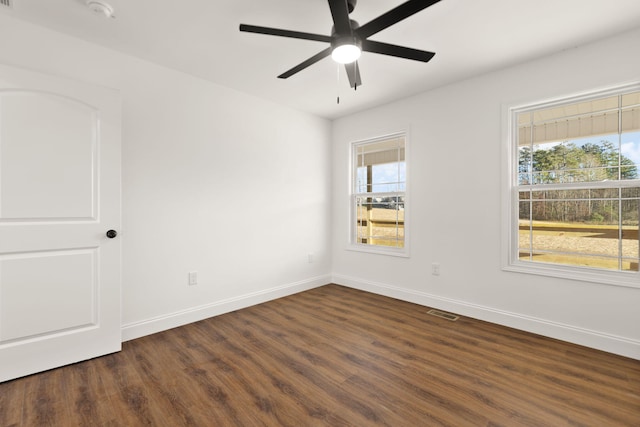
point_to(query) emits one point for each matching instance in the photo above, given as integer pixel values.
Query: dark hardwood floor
(334, 356)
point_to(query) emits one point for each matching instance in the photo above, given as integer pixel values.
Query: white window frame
(510, 198)
(378, 249)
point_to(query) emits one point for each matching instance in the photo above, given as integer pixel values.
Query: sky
(391, 173)
(630, 146)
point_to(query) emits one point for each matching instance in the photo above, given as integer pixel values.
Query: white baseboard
(142, 328)
(585, 337)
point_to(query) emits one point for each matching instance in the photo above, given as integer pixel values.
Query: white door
(59, 195)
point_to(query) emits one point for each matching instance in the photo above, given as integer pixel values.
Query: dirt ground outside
(565, 242)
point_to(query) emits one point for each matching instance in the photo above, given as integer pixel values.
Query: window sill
(379, 250)
(615, 278)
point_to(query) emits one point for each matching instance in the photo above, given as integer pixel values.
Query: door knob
(112, 233)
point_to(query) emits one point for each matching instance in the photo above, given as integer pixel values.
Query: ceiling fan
(348, 39)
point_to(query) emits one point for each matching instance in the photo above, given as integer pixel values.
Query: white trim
(153, 325)
(614, 278)
(509, 239)
(573, 334)
(381, 250)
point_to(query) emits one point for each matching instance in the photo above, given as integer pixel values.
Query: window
(378, 195)
(575, 190)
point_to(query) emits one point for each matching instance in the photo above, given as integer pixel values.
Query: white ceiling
(201, 38)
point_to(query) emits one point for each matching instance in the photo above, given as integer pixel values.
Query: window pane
(380, 221)
(524, 224)
(630, 242)
(524, 240)
(388, 178)
(362, 221)
(582, 227)
(524, 165)
(584, 160)
(381, 167)
(630, 155)
(361, 180)
(630, 193)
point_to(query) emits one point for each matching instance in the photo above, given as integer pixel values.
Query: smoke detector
(101, 8)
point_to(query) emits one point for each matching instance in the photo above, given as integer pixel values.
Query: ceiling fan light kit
(346, 50)
(348, 40)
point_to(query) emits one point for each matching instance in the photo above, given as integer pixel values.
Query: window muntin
(378, 193)
(577, 182)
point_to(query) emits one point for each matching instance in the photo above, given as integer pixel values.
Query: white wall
(456, 209)
(214, 180)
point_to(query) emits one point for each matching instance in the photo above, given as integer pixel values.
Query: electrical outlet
(310, 258)
(193, 278)
(435, 268)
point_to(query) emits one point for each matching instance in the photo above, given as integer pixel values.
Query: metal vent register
(443, 315)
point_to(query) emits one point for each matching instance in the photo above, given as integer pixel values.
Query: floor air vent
(443, 314)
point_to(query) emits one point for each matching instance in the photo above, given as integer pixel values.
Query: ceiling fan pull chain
(338, 86)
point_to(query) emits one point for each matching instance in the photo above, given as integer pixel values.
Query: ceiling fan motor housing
(354, 27)
(351, 4)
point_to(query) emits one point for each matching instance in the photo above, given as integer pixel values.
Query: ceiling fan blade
(353, 72)
(398, 51)
(284, 33)
(340, 14)
(305, 64)
(385, 20)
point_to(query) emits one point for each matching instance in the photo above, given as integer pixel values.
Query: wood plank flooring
(334, 356)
